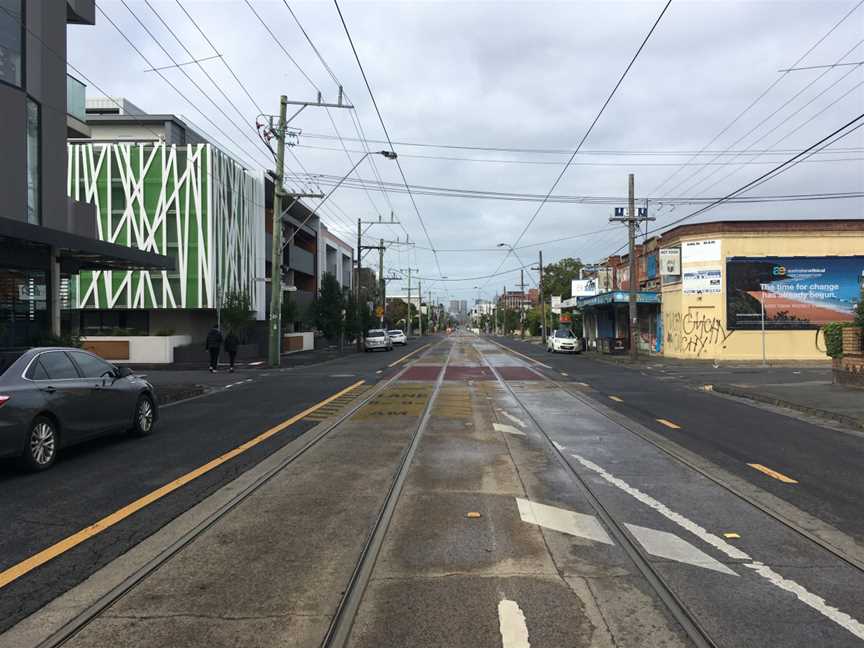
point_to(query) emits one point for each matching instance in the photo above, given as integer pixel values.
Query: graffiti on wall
(695, 333)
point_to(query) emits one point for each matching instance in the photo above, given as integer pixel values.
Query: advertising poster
(703, 281)
(583, 287)
(699, 251)
(796, 292)
(556, 304)
(670, 262)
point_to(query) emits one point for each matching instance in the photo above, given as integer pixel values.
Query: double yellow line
(36, 560)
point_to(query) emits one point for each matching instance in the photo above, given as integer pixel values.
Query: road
(825, 462)
(102, 477)
(471, 497)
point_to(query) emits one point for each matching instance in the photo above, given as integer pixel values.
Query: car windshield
(565, 333)
(375, 333)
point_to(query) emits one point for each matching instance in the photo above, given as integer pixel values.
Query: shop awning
(80, 252)
(618, 297)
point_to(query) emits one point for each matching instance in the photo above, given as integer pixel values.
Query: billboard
(670, 262)
(796, 292)
(699, 251)
(556, 304)
(583, 287)
(706, 280)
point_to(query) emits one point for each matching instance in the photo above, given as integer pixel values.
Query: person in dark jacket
(213, 344)
(232, 343)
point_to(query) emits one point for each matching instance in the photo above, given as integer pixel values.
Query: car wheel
(142, 424)
(40, 450)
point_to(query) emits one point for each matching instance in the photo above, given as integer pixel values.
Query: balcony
(76, 113)
(300, 260)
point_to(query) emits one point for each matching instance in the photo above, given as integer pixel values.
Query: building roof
(766, 227)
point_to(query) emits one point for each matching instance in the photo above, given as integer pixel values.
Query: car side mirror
(122, 372)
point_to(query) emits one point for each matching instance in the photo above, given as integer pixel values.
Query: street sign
(379, 311)
(556, 304)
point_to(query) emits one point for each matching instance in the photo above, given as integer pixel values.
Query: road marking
(25, 566)
(669, 424)
(663, 544)
(558, 519)
(405, 357)
(773, 473)
(616, 399)
(509, 429)
(517, 421)
(558, 445)
(255, 364)
(564, 373)
(583, 384)
(808, 598)
(731, 535)
(379, 371)
(511, 624)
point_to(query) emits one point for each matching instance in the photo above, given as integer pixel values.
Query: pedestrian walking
(213, 344)
(232, 343)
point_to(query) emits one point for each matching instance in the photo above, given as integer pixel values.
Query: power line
(590, 128)
(387, 134)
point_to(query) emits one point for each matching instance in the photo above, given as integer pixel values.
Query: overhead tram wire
(762, 95)
(587, 132)
(204, 93)
(311, 82)
(175, 88)
(387, 134)
(835, 136)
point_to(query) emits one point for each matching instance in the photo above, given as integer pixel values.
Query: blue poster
(792, 292)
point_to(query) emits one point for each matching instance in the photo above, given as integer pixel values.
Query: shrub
(165, 332)
(834, 338)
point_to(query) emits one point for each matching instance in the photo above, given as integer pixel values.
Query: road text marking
(25, 566)
(773, 473)
(511, 624)
(669, 424)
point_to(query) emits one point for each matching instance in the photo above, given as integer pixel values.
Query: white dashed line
(511, 624)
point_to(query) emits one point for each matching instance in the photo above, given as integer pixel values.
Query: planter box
(293, 342)
(136, 349)
(852, 340)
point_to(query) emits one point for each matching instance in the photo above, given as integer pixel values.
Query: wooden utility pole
(275, 350)
(357, 287)
(542, 302)
(419, 308)
(381, 280)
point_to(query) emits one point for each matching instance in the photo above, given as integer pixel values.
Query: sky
(691, 119)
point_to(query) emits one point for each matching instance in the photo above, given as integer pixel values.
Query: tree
(236, 311)
(557, 277)
(328, 306)
(397, 311)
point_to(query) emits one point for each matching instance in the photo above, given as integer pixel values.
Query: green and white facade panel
(190, 202)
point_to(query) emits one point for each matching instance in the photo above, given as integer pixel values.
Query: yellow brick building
(733, 276)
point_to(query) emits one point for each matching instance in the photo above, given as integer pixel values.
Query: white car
(398, 337)
(563, 340)
(378, 340)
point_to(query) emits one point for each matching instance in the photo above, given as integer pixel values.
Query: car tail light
(4, 399)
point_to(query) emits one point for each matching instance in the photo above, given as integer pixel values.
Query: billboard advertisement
(583, 287)
(707, 280)
(670, 262)
(795, 292)
(556, 304)
(699, 251)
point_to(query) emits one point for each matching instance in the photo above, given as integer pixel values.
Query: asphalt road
(96, 479)
(825, 462)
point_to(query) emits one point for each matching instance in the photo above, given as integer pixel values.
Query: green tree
(557, 277)
(396, 312)
(328, 306)
(236, 312)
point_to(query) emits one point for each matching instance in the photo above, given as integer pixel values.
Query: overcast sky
(526, 75)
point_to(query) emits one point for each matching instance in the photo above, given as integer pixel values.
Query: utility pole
(632, 221)
(522, 303)
(409, 302)
(504, 319)
(357, 287)
(420, 308)
(275, 350)
(542, 302)
(381, 280)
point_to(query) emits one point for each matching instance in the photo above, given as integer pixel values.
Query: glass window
(90, 365)
(58, 365)
(37, 371)
(34, 214)
(11, 31)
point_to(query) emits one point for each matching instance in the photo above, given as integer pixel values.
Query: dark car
(54, 397)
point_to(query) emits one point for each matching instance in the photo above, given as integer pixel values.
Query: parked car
(563, 340)
(377, 339)
(54, 397)
(398, 337)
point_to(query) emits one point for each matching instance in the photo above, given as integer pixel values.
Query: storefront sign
(795, 292)
(556, 304)
(670, 262)
(35, 292)
(583, 287)
(699, 251)
(703, 281)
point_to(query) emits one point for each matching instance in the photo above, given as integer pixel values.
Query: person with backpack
(213, 344)
(232, 343)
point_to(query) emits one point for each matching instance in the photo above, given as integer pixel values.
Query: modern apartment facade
(45, 238)
(158, 186)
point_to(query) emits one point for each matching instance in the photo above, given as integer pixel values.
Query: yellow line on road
(616, 399)
(36, 560)
(773, 473)
(669, 424)
(408, 355)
